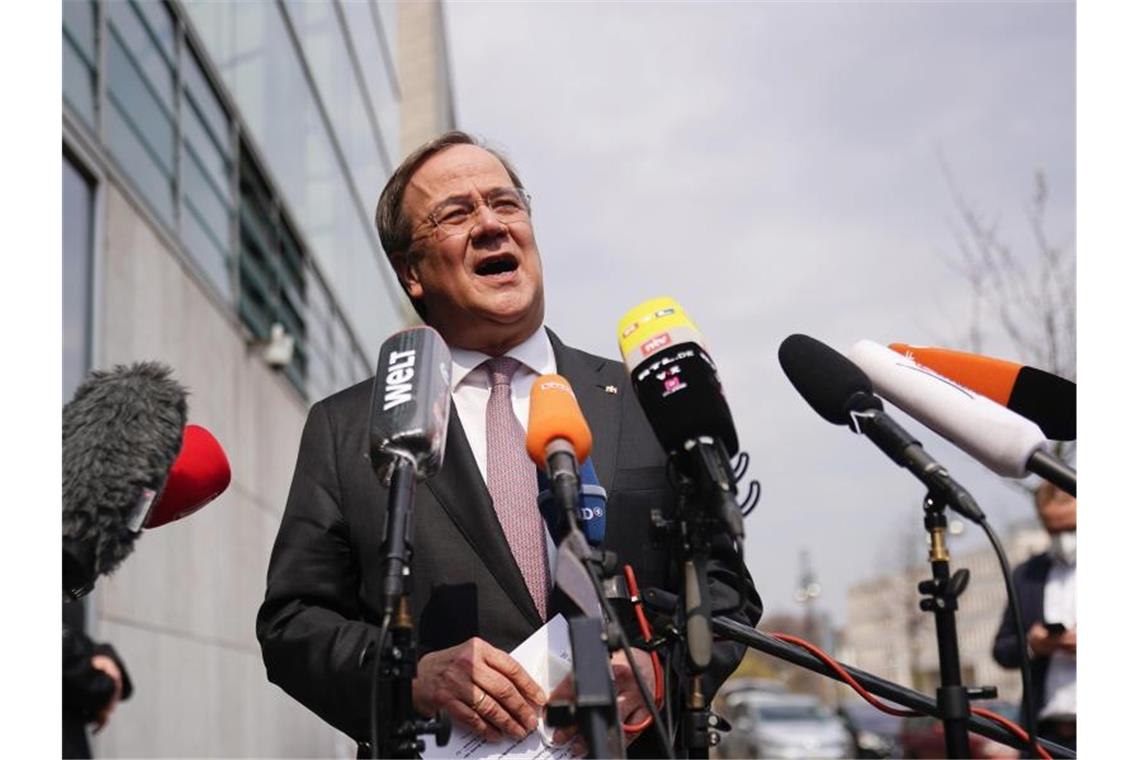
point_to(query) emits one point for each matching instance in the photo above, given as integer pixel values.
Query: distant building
(221, 166)
(889, 636)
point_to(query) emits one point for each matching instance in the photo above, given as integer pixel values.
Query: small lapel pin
(611, 389)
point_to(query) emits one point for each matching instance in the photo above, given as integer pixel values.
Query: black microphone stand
(666, 602)
(395, 725)
(594, 707)
(940, 596)
(707, 508)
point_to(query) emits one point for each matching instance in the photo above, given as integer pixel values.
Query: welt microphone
(1003, 441)
(840, 392)
(411, 403)
(130, 462)
(676, 383)
(1046, 399)
(407, 435)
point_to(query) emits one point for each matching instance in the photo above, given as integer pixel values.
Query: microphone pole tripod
(594, 708)
(396, 727)
(707, 508)
(940, 596)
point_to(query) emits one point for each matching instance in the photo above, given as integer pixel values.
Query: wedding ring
(479, 701)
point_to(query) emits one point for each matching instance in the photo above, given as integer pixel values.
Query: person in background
(1046, 586)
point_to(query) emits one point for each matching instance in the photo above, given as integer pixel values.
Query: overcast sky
(775, 168)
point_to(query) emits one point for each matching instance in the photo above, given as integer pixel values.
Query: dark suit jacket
(1029, 583)
(322, 600)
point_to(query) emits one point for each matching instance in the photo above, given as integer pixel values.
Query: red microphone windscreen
(199, 475)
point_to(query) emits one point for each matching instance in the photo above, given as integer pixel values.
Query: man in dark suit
(456, 225)
(1046, 591)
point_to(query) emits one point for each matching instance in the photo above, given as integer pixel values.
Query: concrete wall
(181, 609)
(425, 82)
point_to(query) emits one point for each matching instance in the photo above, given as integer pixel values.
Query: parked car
(876, 733)
(774, 725)
(924, 737)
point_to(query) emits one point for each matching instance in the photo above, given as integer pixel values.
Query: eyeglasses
(457, 215)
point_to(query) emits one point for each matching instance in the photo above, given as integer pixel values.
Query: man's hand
(630, 706)
(1044, 644)
(481, 687)
(107, 665)
(1068, 642)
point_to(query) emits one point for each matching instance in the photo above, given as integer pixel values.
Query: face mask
(1063, 547)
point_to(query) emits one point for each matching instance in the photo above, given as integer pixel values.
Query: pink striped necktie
(512, 483)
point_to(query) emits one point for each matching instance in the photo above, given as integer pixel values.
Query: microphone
(1003, 441)
(558, 439)
(200, 474)
(407, 434)
(840, 392)
(122, 431)
(1040, 396)
(591, 507)
(676, 383)
(411, 403)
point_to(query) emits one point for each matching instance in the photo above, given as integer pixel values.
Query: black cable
(646, 696)
(374, 717)
(1022, 646)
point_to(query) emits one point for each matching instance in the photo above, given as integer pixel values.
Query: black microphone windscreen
(1048, 400)
(828, 380)
(411, 402)
(681, 394)
(121, 432)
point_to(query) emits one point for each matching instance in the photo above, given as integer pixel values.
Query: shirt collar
(535, 352)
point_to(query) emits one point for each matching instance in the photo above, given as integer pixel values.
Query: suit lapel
(460, 490)
(602, 410)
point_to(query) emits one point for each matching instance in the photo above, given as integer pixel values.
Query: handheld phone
(1055, 629)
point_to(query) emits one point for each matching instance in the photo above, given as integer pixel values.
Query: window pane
(210, 154)
(78, 197)
(379, 77)
(152, 179)
(79, 26)
(78, 83)
(139, 104)
(206, 101)
(199, 238)
(152, 49)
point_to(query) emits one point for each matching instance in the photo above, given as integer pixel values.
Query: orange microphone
(556, 423)
(200, 474)
(1042, 397)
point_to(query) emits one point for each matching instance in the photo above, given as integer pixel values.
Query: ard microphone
(411, 403)
(122, 431)
(840, 392)
(591, 507)
(1040, 396)
(677, 385)
(1003, 441)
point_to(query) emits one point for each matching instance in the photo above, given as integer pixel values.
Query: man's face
(1058, 511)
(482, 288)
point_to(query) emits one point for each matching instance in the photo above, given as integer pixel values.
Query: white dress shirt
(471, 390)
(1060, 606)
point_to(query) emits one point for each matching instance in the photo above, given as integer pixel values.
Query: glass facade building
(259, 135)
(221, 166)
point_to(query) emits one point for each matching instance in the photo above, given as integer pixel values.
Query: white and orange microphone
(1044, 398)
(1002, 440)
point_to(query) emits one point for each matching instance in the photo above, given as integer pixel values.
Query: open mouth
(497, 265)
